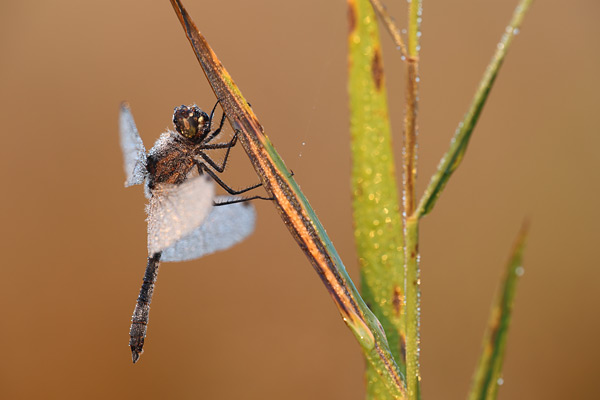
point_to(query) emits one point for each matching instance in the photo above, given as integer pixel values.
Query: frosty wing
(176, 210)
(133, 148)
(225, 226)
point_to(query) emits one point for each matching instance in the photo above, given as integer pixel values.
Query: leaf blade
(458, 145)
(489, 368)
(376, 208)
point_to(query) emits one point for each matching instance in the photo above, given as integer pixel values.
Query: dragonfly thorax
(170, 160)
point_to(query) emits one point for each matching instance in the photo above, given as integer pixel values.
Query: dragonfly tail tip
(135, 356)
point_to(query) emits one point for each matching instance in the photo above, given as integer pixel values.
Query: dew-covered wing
(225, 226)
(134, 152)
(174, 211)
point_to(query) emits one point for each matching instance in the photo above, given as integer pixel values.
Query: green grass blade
(295, 210)
(376, 208)
(489, 369)
(451, 160)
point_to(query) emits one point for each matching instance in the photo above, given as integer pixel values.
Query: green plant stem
(413, 307)
(414, 25)
(411, 224)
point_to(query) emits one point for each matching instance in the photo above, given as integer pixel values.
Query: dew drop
(519, 271)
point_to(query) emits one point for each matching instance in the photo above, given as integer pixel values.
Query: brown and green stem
(411, 223)
(390, 25)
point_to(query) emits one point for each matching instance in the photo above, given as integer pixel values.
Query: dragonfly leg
(214, 134)
(203, 168)
(226, 145)
(210, 161)
(241, 200)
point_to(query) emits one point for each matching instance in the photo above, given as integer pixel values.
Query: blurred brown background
(73, 239)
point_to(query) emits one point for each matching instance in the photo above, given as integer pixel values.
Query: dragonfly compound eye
(190, 122)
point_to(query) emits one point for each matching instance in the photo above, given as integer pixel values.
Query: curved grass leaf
(295, 210)
(489, 370)
(458, 146)
(376, 208)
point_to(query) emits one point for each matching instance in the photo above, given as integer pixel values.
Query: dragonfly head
(191, 122)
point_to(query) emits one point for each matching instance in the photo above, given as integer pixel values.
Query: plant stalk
(411, 224)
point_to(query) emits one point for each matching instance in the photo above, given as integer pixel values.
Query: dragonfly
(186, 220)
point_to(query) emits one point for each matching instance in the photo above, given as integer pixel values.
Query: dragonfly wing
(225, 226)
(133, 148)
(174, 211)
